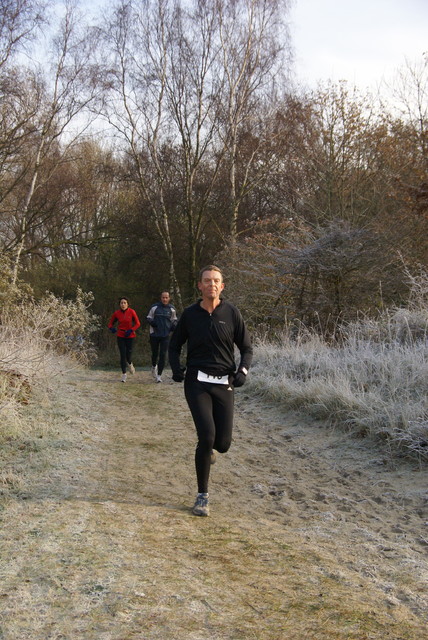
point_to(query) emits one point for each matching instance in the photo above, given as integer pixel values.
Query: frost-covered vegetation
(372, 381)
(38, 340)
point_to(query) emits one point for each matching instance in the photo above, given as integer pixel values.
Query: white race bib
(207, 377)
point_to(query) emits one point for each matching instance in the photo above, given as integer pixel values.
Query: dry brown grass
(312, 535)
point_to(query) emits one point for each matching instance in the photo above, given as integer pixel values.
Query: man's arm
(243, 342)
(178, 338)
(173, 319)
(151, 316)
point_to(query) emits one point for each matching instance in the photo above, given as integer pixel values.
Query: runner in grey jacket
(162, 318)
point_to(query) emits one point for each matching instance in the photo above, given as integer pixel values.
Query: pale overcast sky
(361, 41)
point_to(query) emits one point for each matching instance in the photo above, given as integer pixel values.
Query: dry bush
(63, 326)
(322, 277)
(38, 339)
(28, 371)
(51, 323)
(12, 290)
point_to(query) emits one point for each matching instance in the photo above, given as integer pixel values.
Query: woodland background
(147, 138)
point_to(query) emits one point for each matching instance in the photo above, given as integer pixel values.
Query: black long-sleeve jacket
(210, 339)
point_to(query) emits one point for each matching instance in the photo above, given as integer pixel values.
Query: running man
(162, 319)
(211, 327)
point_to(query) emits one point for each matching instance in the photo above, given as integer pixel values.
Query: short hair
(165, 291)
(124, 298)
(209, 267)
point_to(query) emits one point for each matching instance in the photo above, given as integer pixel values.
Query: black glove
(113, 329)
(178, 376)
(128, 333)
(239, 379)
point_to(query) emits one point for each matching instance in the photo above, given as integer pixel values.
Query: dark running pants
(159, 348)
(125, 349)
(211, 406)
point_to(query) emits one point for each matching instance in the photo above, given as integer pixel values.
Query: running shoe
(213, 456)
(123, 379)
(201, 508)
(131, 368)
(158, 379)
(155, 371)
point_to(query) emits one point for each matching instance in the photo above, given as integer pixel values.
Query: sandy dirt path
(312, 534)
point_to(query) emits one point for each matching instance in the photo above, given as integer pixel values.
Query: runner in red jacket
(127, 323)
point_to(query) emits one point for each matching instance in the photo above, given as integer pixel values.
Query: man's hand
(113, 329)
(239, 379)
(178, 376)
(128, 333)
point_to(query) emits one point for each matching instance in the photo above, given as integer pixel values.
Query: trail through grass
(312, 535)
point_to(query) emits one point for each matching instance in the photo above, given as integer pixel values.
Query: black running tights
(211, 406)
(159, 348)
(125, 349)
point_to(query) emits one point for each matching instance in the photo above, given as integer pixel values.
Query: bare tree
(55, 103)
(135, 62)
(340, 165)
(189, 77)
(411, 95)
(321, 277)
(19, 19)
(193, 89)
(253, 40)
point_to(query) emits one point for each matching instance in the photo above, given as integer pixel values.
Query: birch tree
(193, 91)
(253, 41)
(135, 61)
(19, 21)
(59, 98)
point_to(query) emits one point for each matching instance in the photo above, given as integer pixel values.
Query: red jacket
(126, 320)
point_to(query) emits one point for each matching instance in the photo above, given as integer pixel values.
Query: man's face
(211, 284)
(165, 297)
(123, 304)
